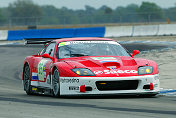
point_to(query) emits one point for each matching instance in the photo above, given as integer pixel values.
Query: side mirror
(135, 52)
(47, 56)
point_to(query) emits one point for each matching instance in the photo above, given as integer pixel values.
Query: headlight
(145, 70)
(83, 72)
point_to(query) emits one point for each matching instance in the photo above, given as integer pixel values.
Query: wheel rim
(27, 78)
(55, 82)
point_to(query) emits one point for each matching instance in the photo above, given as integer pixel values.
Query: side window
(49, 49)
(42, 52)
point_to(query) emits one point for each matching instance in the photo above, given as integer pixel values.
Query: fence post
(10, 23)
(149, 18)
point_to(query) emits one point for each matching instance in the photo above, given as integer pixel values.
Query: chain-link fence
(83, 19)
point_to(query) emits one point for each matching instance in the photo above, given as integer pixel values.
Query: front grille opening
(117, 85)
(146, 87)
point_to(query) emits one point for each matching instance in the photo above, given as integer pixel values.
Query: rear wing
(38, 40)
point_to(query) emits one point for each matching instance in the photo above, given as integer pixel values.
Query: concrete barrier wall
(3, 34)
(145, 30)
(109, 31)
(142, 30)
(167, 29)
(118, 31)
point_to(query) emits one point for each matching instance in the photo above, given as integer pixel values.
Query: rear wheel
(27, 79)
(55, 83)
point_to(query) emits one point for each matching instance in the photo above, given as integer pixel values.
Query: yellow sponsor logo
(34, 89)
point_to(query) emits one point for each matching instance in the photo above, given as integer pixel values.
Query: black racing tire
(55, 83)
(27, 79)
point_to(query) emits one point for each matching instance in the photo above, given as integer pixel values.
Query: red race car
(89, 66)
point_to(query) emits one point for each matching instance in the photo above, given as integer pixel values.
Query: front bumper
(77, 85)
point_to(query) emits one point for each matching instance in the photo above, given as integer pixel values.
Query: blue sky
(79, 4)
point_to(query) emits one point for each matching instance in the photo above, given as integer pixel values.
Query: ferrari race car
(89, 66)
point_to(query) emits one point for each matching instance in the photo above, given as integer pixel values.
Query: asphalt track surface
(14, 103)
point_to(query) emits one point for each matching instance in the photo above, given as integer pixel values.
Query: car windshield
(90, 48)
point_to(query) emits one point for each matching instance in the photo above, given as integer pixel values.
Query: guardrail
(109, 31)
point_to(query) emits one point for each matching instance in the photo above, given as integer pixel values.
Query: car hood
(108, 65)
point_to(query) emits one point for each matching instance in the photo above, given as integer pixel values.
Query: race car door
(43, 65)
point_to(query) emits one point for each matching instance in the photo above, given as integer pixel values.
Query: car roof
(83, 39)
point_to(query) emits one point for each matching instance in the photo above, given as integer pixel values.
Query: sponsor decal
(98, 72)
(34, 89)
(77, 42)
(105, 59)
(155, 85)
(73, 87)
(69, 80)
(108, 61)
(112, 67)
(42, 69)
(35, 76)
(48, 80)
(61, 44)
(108, 42)
(114, 72)
(102, 58)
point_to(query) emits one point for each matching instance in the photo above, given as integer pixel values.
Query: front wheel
(27, 79)
(55, 83)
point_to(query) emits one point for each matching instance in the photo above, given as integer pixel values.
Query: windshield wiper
(78, 55)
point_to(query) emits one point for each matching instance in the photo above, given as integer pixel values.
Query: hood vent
(88, 63)
(112, 65)
(131, 62)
